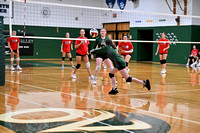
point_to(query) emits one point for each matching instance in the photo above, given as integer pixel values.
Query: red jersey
(67, 45)
(13, 42)
(163, 45)
(83, 48)
(195, 52)
(125, 46)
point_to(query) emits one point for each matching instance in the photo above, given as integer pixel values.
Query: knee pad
(98, 68)
(161, 61)
(70, 59)
(164, 61)
(88, 64)
(11, 59)
(17, 59)
(63, 58)
(78, 66)
(111, 75)
(127, 64)
(129, 79)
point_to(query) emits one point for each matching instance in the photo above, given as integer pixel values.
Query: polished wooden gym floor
(43, 98)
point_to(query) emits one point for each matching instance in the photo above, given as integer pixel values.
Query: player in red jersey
(126, 49)
(65, 48)
(163, 46)
(13, 43)
(81, 47)
(194, 55)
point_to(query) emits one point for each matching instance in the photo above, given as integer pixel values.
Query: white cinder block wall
(62, 16)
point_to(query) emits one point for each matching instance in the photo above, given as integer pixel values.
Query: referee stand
(2, 54)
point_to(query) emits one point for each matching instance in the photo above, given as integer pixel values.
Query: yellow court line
(164, 115)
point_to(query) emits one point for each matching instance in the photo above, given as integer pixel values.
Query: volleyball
(94, 32)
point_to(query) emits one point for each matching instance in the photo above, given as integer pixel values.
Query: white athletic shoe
(19, 68)
(91, 77)
(105, 67)
(163, 71)
(193, 65)
(94, 82)
(12, 68)
(73, 67)
(62, 67)
(74, 76)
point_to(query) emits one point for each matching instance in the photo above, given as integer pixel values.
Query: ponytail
(109, 42)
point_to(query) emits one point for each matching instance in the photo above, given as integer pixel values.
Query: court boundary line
(67, 112)
(155, 113)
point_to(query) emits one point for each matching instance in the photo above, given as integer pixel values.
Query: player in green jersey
(109, 50)
(100, 42)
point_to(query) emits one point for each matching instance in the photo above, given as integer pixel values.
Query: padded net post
(2, 54)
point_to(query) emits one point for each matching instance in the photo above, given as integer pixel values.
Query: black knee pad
(111, 75)
(129, 79)
(164, 61)
(78, 66)
(127, 64)
(161, 61)
(63, 58)
(70, 59)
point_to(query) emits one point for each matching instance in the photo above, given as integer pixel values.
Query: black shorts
(101, 56)
(125, 55)
(121, 68)
(162, 53)
(77, 54)
(15, 51)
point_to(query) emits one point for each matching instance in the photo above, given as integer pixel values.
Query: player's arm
(61, 47)
(78, 45)
(129, 51)
(18, 47)
(72, 46)
(157, 49)
(10, 47)
(166, 47)
(101, 50)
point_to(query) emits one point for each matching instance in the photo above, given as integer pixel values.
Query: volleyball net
(50, 20)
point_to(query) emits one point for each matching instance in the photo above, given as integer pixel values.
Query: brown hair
(109, 42)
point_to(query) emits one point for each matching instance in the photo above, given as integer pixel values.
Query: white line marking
(21, 99)
(196, 122)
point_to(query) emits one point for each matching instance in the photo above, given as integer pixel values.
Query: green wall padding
(2, 54)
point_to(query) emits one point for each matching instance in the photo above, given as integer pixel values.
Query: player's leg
(86, 60)
(127, 59)
(18, 60)
(108, 63)
(70, 59)
(113, 80)
(78, 60)
(11, 61)
(98, 68)
(161, 62)
(63, 60)
(164, 62)
(124, 73)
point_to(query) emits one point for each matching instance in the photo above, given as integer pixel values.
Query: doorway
(145, 50)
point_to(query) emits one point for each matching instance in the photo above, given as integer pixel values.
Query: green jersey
(100, 42)
(112, 54)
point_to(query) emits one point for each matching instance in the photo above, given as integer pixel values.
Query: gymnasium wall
(178, 53)
(59, 16)
(46, 48)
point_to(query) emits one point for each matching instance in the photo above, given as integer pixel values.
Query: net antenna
(25, 18)
(10, 17)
